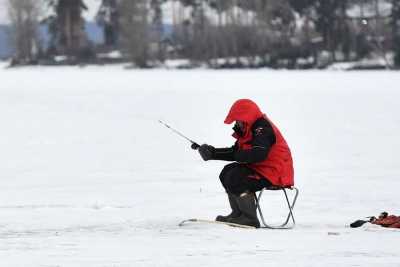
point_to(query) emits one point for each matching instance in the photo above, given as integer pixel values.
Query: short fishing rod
(194, 145)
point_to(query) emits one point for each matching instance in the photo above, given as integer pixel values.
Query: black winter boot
(248, 208)
(235, 209)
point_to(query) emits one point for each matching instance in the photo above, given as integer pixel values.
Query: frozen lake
(88, 177)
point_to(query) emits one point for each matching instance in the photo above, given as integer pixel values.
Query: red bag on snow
(386, 220)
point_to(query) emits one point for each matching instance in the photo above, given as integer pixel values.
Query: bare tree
(66, 27)
(71, 25)
(157, 26)
(108, 18)
(24, 16)
(395, 21)
(135, 31)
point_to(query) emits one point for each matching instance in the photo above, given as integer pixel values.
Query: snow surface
(90, 178)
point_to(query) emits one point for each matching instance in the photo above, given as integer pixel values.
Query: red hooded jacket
(278, 165)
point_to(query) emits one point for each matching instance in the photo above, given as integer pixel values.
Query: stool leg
(290, 206)
(258, 199)
(290, 214)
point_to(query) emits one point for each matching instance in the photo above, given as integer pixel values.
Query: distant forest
(94, 33)
(292, 34)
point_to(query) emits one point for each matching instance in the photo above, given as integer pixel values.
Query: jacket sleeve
(263, 139)
(226, 154)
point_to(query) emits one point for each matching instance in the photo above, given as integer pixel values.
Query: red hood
(244, 110)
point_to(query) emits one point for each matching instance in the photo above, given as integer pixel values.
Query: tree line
(216, 33)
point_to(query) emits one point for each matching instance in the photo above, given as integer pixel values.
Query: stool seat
(277, 187)
(285, 224)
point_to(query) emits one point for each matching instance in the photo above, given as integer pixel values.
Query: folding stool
(285, 224)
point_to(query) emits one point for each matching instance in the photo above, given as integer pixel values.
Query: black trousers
(236, 179)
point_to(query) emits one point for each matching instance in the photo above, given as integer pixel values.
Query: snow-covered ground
(90, 178)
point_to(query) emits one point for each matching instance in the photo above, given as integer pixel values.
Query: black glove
(194, 146)
(206, 152)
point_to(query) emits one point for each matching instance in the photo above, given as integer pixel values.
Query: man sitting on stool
(261, 158)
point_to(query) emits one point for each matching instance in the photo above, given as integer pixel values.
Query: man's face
(239, 128)
(240, 125)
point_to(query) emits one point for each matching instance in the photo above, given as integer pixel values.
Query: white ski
(217, 222)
